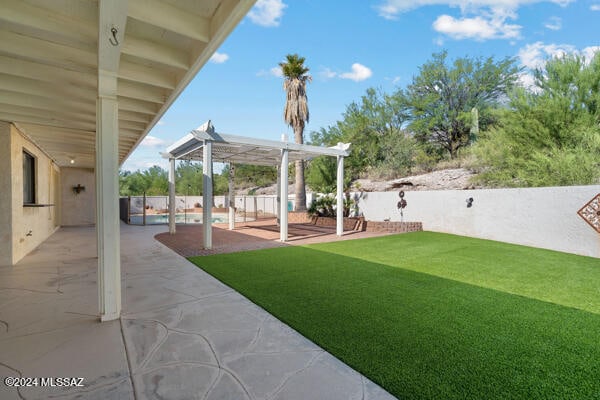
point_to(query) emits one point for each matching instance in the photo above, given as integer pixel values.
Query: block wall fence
(538, 217)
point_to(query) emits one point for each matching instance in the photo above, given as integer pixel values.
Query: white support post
(207, 193)
(278, 200)
(340, 196)
(283, 173)
(107, 208)
(172, 196)
(231, 197)
(111, 15)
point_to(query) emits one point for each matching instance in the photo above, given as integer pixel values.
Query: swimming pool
(189, 218)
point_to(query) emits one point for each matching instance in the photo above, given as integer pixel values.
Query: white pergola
(208, 146)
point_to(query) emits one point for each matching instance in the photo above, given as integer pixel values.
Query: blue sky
(352, 45)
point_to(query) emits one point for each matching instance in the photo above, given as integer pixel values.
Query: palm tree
(295, 113)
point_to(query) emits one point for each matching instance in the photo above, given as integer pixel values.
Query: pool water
(189, 218)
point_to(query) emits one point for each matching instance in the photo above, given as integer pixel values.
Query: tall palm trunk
(300, 187)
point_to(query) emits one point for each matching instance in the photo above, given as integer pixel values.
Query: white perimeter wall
(538, 217)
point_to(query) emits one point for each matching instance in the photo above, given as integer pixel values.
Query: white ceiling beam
(143, 107)
(130, 133)
(155, 52)
(44, 103)
(52, 130)
(45, 52)
(50, 122)
(62, 139)
(125, 115)
(46, 73)
(67, 147)
(45, 89)
(42, 21)
(36, 112)
(132, 125)
(142, 74)
(139, 91)
(171, 18)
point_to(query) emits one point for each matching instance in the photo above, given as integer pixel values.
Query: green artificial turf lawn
(429, 315)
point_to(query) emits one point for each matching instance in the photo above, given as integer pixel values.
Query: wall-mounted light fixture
(78, 189)
(469, 202)
(72, 161)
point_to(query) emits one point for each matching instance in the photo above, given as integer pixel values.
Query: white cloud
(161, 123)
(478, 28)
(595, 7)
(479, 19)
(359, 73)
(275, 71)
(390, 9)
(554, 23)
(327, 73)
(219, 58)
(534, 56)
(267, 12)
(589, 52)
(153, 141)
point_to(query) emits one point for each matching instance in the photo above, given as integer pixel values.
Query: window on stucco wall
(28, 178)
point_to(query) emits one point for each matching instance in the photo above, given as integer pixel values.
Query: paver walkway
(261, 234)
(182, 335)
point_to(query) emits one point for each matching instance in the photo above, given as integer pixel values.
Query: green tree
(442, 96)
(380, 145)
(157, 181)
(296, 113)
(551, 134)
(188, 178)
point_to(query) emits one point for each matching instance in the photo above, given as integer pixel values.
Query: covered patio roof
(53, 54)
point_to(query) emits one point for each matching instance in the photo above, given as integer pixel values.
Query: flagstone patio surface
(182, 335)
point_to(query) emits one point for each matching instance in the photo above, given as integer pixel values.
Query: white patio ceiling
(245, 150)
(49, 66)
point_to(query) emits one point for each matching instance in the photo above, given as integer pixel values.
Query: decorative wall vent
(591, 213)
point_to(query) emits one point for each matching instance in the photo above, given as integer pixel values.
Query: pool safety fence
(151, 210)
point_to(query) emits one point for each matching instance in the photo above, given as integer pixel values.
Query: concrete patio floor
(182, 335)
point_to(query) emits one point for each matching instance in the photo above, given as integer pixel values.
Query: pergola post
(207, 194)
(278, 199)
(283, 210)
(172, 196)
(231, 197)
(340, 197)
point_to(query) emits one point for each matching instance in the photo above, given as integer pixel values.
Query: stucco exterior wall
(78, 209)
(5, 196)
(538, 217)
(32, 225)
